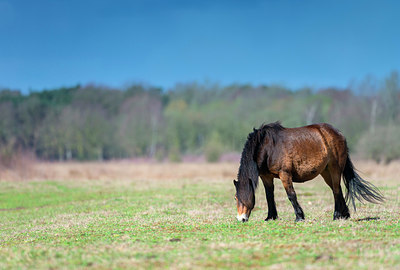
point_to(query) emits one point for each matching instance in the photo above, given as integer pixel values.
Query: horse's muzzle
(242, 218)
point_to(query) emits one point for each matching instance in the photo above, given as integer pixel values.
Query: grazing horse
(298, 155)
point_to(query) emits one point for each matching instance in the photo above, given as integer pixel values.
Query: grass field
(127, 216)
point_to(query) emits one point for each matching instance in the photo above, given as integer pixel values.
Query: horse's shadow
(368, 218)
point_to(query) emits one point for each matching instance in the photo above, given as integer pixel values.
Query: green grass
(187, 224)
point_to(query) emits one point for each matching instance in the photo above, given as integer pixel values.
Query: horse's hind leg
(332, 178)
(268, 182)
(286, 179)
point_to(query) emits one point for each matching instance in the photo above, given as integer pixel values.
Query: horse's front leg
(268, 182)
(286, 179)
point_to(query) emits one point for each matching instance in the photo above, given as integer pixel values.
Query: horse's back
(322, 133)
(332, 139)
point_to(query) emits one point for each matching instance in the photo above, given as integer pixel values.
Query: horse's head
(245, 199)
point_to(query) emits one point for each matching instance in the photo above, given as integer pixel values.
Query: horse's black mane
(248, 170)
(271, 131)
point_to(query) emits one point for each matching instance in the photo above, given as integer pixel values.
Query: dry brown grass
(119, 170)
(130, 170)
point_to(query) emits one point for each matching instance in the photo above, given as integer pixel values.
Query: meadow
(139, 215)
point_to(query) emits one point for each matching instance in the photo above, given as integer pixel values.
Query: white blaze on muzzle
(243, 217)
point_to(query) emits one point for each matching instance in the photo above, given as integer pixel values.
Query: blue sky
(53, 43)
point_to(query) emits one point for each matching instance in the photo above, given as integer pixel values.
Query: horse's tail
(358, 188)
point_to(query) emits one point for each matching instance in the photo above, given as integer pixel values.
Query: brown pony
(298, 155)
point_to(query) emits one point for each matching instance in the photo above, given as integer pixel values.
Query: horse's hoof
(299, 219)
(341, 216)
(271, 218)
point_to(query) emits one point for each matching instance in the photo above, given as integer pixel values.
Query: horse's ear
(235, 182)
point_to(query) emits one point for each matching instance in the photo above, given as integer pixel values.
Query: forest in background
(95, 122)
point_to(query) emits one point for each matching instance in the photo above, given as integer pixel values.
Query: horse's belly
(307, 169)
(303, 177)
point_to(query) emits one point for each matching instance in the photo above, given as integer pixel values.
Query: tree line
(97, 123)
